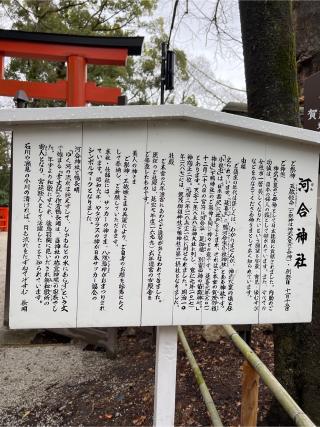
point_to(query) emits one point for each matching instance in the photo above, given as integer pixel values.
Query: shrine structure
(77, 52)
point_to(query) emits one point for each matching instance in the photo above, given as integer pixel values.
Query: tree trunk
(308, 349)
(270, 66)
(306, 16)
(306, 23)
(272, 90)
(296, 357)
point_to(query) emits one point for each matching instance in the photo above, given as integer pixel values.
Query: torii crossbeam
(77, 52)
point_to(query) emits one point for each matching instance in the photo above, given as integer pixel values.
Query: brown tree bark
(270, 65)
(306, 15)
(272, 90)
(307, 29)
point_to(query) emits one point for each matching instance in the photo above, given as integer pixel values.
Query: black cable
(164, 49)
(173, 19)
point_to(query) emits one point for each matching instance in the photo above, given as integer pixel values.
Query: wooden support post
(250, 393)
(165, 376)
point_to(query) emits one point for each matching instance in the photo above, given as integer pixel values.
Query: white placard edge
(9, 118)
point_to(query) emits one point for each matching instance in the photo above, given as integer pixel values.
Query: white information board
(155, 222)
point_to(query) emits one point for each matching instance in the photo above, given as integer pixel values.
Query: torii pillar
(77, 52)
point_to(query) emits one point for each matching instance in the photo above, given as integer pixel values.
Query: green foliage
(139, 80)
(190, 100)
(4, 168)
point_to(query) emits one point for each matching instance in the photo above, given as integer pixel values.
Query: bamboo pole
(250, 394)
(213, 413)
(279, 392)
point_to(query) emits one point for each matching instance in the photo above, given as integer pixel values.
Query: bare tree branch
(24, 8)
(215, 81)
(7, 13)
(214, 20)
(119, 27)
(214, 95)
(98, 12)
(60, 9)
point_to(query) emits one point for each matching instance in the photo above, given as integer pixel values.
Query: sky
(215, 59)
(193, 33)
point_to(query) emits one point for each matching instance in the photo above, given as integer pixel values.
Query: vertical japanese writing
(57, 242)
(292, 201)
(65, 270)
(77, 170)
(146, 175)
(58, 175)
(162, 197)
(180, 300)
(273, 236)
(134, 166)
(105, 255)
(207, 259)
(186, 276)
(225, 285)
(90, 185)
(201, 232)
(202, 243)
(206, 232)
(232, 235)
(25, 236)
(96, 166)
(41, 214)
(156, 184)
(252, 209)
(219, 278)
(152, 225)
(313, 115)
(258, 236)
(124, 229)
(112, 173)
(266, 236)
(211, 255)
(305, 185)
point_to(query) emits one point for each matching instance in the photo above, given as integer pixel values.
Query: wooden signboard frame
(183, 115)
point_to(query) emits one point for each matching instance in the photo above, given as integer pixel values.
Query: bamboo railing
(279, 392)
(213, 413)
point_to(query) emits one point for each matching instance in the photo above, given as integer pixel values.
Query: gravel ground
(62, 385)
(30, 373)
(3, 254)
(27, 373)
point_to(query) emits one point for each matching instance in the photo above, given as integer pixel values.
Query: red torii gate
(77, 52)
